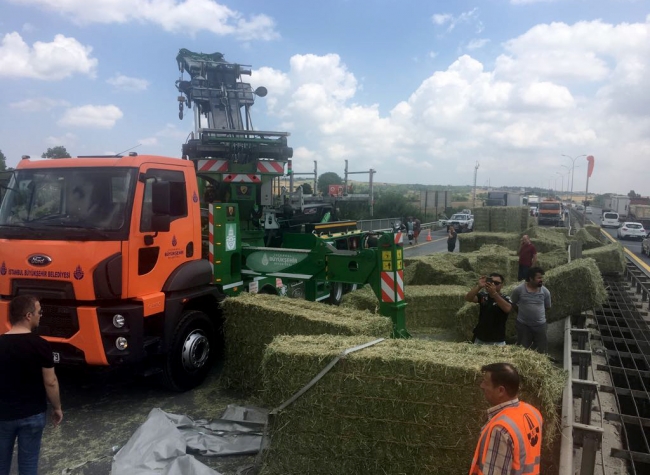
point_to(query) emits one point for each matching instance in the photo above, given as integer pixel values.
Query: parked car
(645, 246)
(631, 230)
(462, 223)
(609, 220)
(588, 210)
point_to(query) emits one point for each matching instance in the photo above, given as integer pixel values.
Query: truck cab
(112, 248)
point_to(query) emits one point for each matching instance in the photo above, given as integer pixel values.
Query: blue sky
(418, 90)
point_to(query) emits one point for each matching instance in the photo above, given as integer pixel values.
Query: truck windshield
(549, 206)
(77, 200)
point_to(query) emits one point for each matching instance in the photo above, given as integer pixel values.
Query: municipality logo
(3, 269)
(231, 238)
(265, 260)
(78, 273)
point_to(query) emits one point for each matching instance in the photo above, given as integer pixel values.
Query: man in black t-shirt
(494, 310)
(27, 381)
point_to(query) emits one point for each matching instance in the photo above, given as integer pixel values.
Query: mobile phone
(489, 280)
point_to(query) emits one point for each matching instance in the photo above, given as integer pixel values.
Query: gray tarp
(159, 446)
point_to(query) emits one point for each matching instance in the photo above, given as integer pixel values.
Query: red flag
(590, 167)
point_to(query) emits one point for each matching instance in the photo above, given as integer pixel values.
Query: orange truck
(112, 248)
(550, 212)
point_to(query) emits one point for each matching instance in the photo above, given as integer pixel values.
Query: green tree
(56, 152)
(306, 189)
(3, 162)
(632, 194)
(327, 179)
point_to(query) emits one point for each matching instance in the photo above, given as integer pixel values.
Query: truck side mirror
(160, 198)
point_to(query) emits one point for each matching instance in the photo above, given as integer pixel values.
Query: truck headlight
(121, 343)
(118, 321)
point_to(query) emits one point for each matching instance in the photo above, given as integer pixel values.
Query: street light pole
(573, 163)
(562, 189)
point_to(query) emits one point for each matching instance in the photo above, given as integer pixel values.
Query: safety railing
(386, 224)
(579, 433)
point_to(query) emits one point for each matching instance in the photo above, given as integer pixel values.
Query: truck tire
(336, 293)
(191, 353)
(347, 288)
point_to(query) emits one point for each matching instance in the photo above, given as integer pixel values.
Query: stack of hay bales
(501, 219)
(453, 258)
(551, 260)
(482, 219)
(436, 270)
(251, 321)
(498, 219)
(428, 306)
(574, 287)
(495, 258)
(610, 259)
(473, 241)
(547, 239)
(588, 241)
(400, 406)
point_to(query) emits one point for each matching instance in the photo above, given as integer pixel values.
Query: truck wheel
(191, 353)
(336, 293)
(347, 288)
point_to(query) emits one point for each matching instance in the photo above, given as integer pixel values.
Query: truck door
(154, 256)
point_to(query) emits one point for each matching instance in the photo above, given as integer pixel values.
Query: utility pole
(474, 194)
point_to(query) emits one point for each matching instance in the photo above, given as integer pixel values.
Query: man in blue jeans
(27, 381)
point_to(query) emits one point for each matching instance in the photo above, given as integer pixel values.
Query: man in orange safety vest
(511, 439)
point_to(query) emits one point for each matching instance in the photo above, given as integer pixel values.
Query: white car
(609, 220)
(588, 210)
(631, 230)
(462, 222)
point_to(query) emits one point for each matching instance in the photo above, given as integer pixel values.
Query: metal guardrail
(581, 434)
(385, 224)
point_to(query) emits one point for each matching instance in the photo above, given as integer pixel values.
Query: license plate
(57, 356)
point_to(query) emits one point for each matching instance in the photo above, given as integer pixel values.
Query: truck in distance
(550, 212)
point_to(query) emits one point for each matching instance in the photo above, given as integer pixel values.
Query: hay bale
(455, 259)
(587, 240)
(434, 270)
(429, 307)
(473, 241)
(401, 406)
(594, 231)
(547, 239)
(482, 219)
(494, 258)
(574, 287)
(551, 260)
(610, 259)
(252, 321)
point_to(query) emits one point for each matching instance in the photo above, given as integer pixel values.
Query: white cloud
(469, 17)
(90, 116)
(477, 43)
(28, 27)
(68, 139)
(126, 83)
(56, 60)
(149, 141)
(187, 16)
(38, 104)
(516, 117)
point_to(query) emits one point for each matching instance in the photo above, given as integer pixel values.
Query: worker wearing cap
(511, 439)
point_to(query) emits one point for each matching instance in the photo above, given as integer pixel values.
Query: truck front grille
(58, 321)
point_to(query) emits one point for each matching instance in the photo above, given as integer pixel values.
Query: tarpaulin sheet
(160, 445)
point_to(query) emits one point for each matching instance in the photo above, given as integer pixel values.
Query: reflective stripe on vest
(520, 444)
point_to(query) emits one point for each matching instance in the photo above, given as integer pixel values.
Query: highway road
(634, 247)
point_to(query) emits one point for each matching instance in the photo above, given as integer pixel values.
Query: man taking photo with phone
(493, 312)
